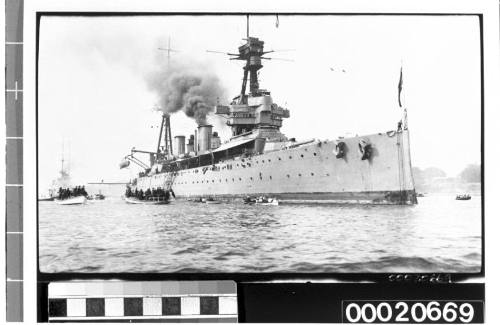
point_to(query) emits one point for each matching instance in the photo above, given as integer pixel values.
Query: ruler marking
(16, 90)
(14, 310)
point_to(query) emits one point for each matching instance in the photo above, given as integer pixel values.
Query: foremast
(255, 110)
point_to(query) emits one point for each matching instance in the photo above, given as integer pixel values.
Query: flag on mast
(400, 86)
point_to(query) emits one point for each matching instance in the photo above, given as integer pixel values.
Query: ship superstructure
(255, 110)
(259, 160)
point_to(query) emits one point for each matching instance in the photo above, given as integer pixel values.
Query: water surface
(439, 234)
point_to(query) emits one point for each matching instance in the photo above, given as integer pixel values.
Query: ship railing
(240, 135)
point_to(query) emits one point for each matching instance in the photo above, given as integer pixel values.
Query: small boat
(81, 199)
(262, 200)
(151, 201)
(267, 201)
(98, 196)
(420, 195)
(44, 199)
(210, 200)
(463, 197)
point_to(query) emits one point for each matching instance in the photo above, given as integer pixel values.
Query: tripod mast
(165, 121)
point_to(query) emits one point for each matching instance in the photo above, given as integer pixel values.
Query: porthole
(300, 175)
(251, 178)
(312, 174)
(263, 161)
(240, 178)
(269, 160)
(315, 154)
(233, 179)
(270, 177)
(290, 157)
(288, 176)
(301, 156)
(279, 158)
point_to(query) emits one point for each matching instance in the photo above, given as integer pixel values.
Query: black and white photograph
(273, 143)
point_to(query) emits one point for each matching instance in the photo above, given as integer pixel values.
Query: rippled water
(439, 234)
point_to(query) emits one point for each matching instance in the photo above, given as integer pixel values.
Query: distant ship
(259, 160)
(64, 183)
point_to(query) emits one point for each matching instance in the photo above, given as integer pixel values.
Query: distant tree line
(470, 174)
(424, 176)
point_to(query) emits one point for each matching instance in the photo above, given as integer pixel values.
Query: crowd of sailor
(149, 194)
(66, 193)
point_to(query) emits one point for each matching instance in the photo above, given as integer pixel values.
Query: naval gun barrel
(143, 151)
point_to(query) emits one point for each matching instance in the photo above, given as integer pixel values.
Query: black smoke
(188, 87)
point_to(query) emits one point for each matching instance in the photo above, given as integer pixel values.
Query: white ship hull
(72, 201)
(152, 202)
(305, 173)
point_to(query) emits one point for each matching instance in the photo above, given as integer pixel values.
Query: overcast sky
(93, 94)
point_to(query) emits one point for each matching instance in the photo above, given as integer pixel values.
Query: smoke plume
(192, 88)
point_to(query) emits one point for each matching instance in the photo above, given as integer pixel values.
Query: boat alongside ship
(259, 160)
(74, 200)
(150, 201)
(151, 197)
(261, 201)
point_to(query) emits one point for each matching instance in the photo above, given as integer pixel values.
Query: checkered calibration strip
(165, 301)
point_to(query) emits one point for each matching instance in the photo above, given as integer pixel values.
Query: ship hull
(144, 202)
(373, 197)
(310, 172)
(72, 201)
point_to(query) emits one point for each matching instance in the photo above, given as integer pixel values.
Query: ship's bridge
(253, 112)
(255, 109)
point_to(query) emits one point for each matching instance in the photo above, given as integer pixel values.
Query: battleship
(63, 181)
(259, 160)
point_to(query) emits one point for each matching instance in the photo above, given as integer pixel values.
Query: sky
(94, 102)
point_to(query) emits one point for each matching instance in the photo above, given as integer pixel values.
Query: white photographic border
(489, 10)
